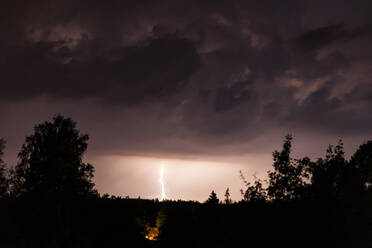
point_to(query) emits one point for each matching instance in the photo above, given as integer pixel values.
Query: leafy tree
(213, 199)
(255, 192)
(288, 180)
(360, 169)
(51, 162)
(227, 197)
(328, 175)
(3, 172)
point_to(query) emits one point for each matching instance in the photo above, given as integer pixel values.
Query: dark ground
(122, 223)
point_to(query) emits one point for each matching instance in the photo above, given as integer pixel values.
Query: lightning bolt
(163, 195)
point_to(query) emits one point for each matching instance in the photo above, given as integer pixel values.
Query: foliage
(328, 173)
(51, 162)
(361, 165)
(288, 180)
(332, 177)
(227, 197)
(4, 183)
(213, 199)
(255, 192)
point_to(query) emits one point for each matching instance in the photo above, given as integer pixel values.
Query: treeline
(332, 178)
(301, 179)
(48, 199)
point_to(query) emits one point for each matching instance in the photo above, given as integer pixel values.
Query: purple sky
(204, 88)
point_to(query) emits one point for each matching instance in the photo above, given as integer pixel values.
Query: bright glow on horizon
(161, 180)
(183, 179)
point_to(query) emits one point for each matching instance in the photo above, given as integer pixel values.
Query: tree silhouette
(328, 175)
(227, 197)
(51, 162)
(254, 192)
(361, 164)
(288, 180)
(213, 199)
(3, 172)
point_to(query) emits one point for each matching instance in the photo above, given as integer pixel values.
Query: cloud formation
(190, 77)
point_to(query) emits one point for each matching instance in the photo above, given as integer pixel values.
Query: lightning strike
(163, 195)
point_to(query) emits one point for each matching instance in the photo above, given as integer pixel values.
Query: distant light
(151, 233)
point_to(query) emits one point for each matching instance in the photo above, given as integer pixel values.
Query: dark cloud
(155, 69)
(323, 36)
(230, 97)
(207, 73)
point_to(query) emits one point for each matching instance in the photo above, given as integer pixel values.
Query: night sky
(202, 88)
